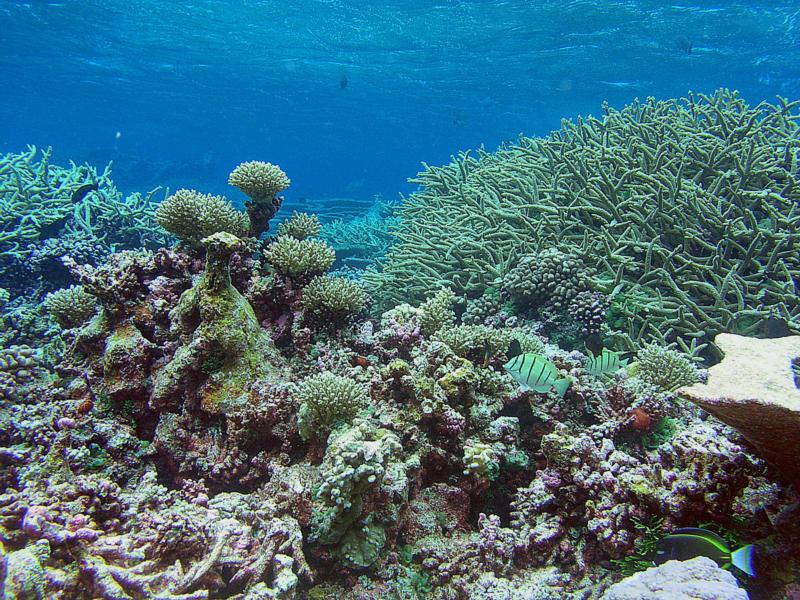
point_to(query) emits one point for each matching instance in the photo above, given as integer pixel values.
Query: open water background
(350, 97)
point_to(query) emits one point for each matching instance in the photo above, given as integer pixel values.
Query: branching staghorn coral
(364, 238)
(686, 209)
(40, 201)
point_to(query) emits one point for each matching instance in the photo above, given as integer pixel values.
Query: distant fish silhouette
(81, 192)
(343, 81)
(684, 44)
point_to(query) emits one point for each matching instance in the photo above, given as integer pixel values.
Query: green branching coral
(361, 240)
(70, 307)
(334, 298)
(192, 216)
(48, 211)
(300, 226)
(665, 368)
(327, 399)
(475, 341)
(437, 311)
(685, 210)
(299, 258)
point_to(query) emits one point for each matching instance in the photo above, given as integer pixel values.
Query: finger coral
(300, 226)
(192, 216)
(71, 306)
(334, 298)
(326, 400)
(299, 258)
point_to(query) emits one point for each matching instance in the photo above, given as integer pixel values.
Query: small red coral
(639, 419)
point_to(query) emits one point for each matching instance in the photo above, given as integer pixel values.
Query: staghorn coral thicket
(684, 208)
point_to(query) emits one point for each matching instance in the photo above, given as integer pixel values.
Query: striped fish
(608, 362)
(535, 372)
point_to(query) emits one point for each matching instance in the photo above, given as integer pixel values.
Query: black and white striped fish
(535, 372)
(608, 362)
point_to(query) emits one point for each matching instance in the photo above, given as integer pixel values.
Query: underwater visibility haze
(386, 300)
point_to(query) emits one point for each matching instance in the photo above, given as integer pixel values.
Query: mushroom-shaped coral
(261, 181)
(326, 400)
(300, 258)
(192, 216)
(70, 307)
(300, 226)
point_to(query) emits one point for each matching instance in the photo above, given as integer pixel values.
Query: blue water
(177, 93)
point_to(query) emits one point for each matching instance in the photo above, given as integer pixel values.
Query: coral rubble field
(194, 406)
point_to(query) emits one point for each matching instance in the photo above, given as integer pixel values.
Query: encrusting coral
(193, 216)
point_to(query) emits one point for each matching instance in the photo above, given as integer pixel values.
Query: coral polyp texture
(192, 216)
(300, 226)
(70, 306)
(224, 418)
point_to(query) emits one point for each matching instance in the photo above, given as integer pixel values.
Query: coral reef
(300, 226)
(71, 306)
(646, 196)
(227, 421)
(48, 211)
(327, 399)
(261, 181)
(299, 258)
(335, 298)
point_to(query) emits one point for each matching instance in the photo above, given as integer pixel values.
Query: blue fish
(535, 372)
